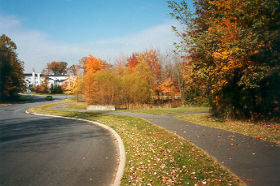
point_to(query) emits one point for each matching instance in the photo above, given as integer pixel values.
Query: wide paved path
(36, 150)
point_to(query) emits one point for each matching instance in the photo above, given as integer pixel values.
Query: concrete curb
(119, 143)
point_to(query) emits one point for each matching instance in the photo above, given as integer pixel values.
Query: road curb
(119, 142)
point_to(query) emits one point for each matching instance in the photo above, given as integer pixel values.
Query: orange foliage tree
(91, 66)
(149, 56)
(56, 68)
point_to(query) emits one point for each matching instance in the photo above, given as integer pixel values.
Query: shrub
(56, 89)
(49, 98)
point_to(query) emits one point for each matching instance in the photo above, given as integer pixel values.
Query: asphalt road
(36, 150)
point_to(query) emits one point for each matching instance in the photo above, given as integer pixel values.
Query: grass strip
(170, 110)
(267, 131)
(155, 156)
(82, 106)
(79, 106)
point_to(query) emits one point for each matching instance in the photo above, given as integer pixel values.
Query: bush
(41, 89)
(56, 89)
(49, 98)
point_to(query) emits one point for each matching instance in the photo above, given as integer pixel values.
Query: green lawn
(267, 131)
(154, 155)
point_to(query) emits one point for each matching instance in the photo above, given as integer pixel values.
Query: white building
(33, 79)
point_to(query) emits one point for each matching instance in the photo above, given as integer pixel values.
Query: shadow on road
(43, 132)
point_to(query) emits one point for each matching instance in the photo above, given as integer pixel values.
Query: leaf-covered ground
(155, 156)
(267, 131)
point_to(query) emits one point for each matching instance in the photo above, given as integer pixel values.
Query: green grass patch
(170, 110)
(268, 131)
(154, 155)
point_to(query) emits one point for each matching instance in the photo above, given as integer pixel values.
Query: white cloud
(36, 48)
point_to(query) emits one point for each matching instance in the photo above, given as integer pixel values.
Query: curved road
(36, 150)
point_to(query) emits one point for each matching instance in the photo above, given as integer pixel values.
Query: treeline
(142, 78)
(233, 48)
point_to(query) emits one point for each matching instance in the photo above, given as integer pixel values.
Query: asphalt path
(38, 150)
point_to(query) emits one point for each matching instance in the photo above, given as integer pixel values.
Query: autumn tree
(71, 83)
(11, 70)
(234, 49)
(144, 69)
(44, 86)
(172, 75)
(56, 68)
(134, 81)
(150, 57)
(151, 60)
(91, 66)
(137, 87)
(169, 88)
(73, 70)
(108, 87)
(77, 87)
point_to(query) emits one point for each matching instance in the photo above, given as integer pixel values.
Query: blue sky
(67, 30)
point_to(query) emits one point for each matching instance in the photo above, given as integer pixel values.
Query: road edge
(119, 143)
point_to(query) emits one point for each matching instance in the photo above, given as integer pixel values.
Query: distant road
(36, 150)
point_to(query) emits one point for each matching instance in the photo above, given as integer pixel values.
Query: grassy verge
(82, 106)
(170, 110)
(265, 131)
(155, 156)
(79, 105)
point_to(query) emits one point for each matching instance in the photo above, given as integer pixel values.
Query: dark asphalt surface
(256, 162)
(36, 150)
